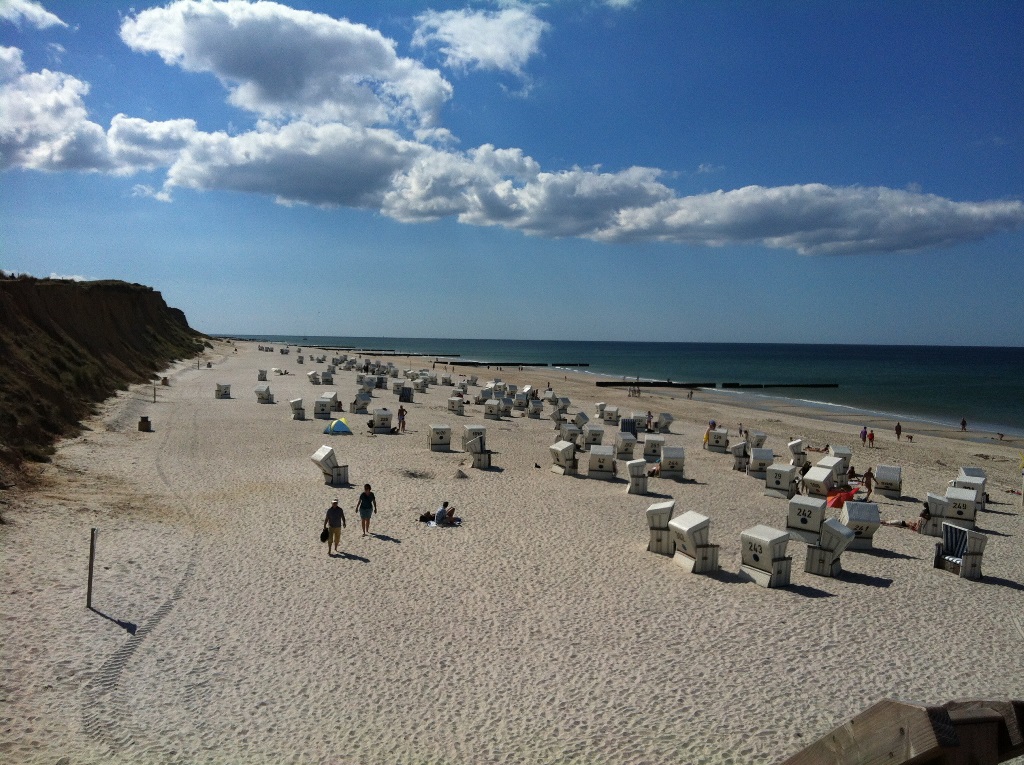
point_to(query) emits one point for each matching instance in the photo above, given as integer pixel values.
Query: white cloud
(29, 11)
(282, 63)
(346, 122)
(503, 40)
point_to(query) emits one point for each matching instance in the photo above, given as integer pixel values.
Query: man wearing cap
(334, 522)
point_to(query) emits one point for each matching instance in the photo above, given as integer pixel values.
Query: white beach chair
(806, 514)
(839, 473)
(823, 558)
(380, 422)
(474, 439)
(223, 391)
(492, 409)
(664, 423)
(440, 438)
(760, 459)
(361, 403)
(602, 463)
(261, 375)
(755, 439)
(970, 483)
(658, 517)
(298, 413)
(534, 409)
(563, 458)
(653, 446)
(636, 472)
(673, 463)
(863, 519)
(322, 408)
(625, 443)
(592, 435)
(963, 504)
(610, 415)
(457, 405)
(782, 481)
(690, 536)
(327, 461)
(263, 394)
(327, 378)
(960, 551)
(889, 481)
(718, 440)
(740, 452)
(763, 556)
(580, 419)
(818, 481)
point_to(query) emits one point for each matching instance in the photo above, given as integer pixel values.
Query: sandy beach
(540, 631)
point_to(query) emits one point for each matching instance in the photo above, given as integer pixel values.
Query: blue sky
(588, 169)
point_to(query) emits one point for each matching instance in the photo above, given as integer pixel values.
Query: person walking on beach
(963, 424)
(864, 436)
(899, 431)
(366, 506)
(868, 482)
(871, 438)
(401, 418)
(334, 522)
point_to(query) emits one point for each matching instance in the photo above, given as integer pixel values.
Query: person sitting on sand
(922, 519)
(445, 515)
(656, 470)
(824, 448)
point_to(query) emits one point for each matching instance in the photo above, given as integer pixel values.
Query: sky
(673, 170)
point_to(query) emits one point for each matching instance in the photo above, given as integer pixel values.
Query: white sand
(541, 631)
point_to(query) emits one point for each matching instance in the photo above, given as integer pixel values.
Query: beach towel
(838, 497)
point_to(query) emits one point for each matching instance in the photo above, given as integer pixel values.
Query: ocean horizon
(938, 385)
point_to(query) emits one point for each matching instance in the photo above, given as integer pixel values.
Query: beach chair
(782, 481)
(818, 481)
(511, 390)
(889, 481)
(970, 483)
(664, 422)
(419, 385)
(602, 463)
(396, 386)
(550, 396)
(629, 425)
(440, 438)
(327, 461)
(223, 391)
(405, 395)
(327, 378)
(673, 463)
(636, 472)
(806, 514)
(624, 445)
(563, 458)
(740, 452)
(610, 415)
(562, 404)
(261, 375)
(299, 359)
(534, 408)
(505, 404)
(599, 408)
(580, 419)
(332, 397)
(839, 473)
(755, 439)
(639, 421)
(380, 421)
(492, 409)
(483, 396)
(263, 394)
(845, 453)
(298, 413)
(446, 379)
(798, 456)
(863, 519)
(471, 380)
(760, 459)
(557, 416)
(521, 400)
(456, 405)
(361, 403)
(963, 504)
(960, 551)
(718, 440)
(652, 448)
(823, 558)
(763, 556)
(474, 439)
(690, 537)
(592, 435)
(322, 408)
(658, 517)
(567, 431)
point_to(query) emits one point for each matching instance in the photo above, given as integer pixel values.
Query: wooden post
(92, 558)
(154, 394)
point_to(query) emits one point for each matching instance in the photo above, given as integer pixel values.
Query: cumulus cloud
(282, 63)
(501, 40)
(341, 120)
(29, 12)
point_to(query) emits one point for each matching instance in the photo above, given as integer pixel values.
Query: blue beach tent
(338, 428)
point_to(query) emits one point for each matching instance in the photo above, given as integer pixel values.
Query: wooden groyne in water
(692, 385)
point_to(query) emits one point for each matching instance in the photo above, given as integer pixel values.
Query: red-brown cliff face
(64, 346)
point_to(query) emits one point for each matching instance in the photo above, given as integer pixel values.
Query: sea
(937, 385)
